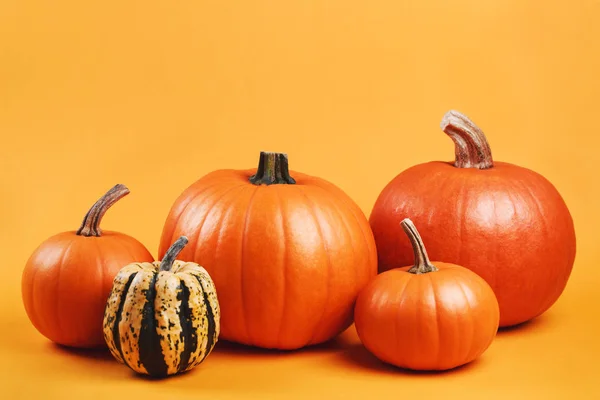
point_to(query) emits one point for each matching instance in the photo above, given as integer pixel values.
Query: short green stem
(272, 169)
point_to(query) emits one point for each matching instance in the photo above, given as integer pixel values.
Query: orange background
(156, 94)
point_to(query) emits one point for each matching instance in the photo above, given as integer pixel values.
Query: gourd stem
(272, 169)
(167, 262)
(422, 263)
(91, 222)
(470, 144)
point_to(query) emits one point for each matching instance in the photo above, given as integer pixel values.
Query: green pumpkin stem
(470, 144)
(272, 169)
(167, 262)
(91, 222)
(422, 263)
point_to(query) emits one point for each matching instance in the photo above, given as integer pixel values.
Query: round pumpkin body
(162, 322)
(430, 316)
(67, 280)
(287, 255)
(435, 321)
(505, 222)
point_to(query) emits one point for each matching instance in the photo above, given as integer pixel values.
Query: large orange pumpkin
(288, 252)
(505, 222)
(67, 279)
(429, 316)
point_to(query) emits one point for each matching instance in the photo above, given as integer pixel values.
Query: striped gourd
(162, 318)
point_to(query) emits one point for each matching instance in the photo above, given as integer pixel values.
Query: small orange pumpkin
(426, 317)
(67, 279)
(288, 252)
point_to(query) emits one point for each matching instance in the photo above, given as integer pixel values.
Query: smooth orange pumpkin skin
(67, 280)
(507, 223)
(434, 321)
(287, 260)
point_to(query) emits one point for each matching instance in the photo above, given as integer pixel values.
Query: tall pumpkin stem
(470, 144)
(171, 255)
(272, 169)
(91, 222)
(422, 263)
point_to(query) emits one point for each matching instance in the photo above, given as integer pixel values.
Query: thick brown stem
(422, 263)
(91, 222)
(272, 169)
(171, 255)
(471, 147)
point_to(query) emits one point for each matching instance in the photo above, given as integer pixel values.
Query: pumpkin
(68, 278)
(505, 222)
(288, 252)
(429, 316)
(162, 318)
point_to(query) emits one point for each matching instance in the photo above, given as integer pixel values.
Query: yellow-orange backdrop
(156, 94)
